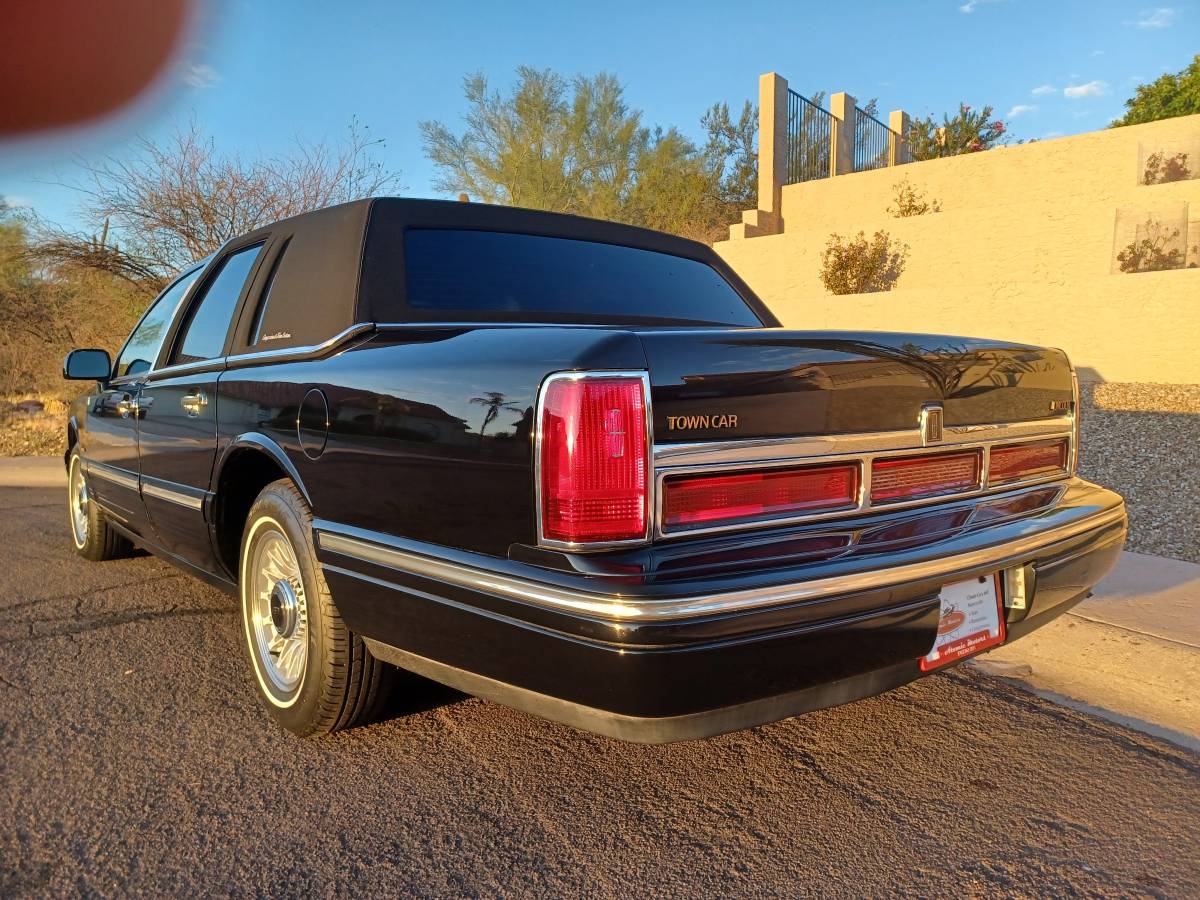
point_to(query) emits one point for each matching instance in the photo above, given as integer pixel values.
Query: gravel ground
(36, 434)
(1141, 440)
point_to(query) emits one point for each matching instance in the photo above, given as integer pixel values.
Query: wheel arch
(72, 438)
(248, 464)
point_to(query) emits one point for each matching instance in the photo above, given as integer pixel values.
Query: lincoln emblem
(931, 423)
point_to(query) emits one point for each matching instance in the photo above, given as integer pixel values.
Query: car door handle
(127, 407)
(194, 403)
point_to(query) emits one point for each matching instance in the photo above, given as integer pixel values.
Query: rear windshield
(465, 272)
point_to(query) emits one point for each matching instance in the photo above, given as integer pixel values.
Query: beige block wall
(1022, 251)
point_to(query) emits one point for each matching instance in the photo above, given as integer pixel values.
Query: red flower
(998, 127)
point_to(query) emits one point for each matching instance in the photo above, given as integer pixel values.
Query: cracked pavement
(135, 759)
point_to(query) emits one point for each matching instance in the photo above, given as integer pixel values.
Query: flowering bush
(1163, 169)
(859, 266)
(965, 132)
(908, 201)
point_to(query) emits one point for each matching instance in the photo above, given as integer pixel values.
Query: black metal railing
(873, 142)
(810, 131)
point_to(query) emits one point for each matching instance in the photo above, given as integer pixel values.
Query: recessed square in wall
(1152, 238)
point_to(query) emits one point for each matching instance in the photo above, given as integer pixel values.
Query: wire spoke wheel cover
(275, 612)
(77, 493)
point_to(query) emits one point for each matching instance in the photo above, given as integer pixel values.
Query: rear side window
(208, 325)
(466, 272)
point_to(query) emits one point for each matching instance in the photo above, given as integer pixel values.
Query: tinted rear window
(464, 272)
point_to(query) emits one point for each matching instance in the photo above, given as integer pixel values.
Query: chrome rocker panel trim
(369, 547)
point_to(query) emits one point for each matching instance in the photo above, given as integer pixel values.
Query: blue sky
(257, 75)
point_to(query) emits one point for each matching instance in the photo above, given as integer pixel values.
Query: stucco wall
(1022, 250)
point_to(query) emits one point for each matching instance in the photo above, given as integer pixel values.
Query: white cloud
(1042, 89)
(15, 201)
(1160, 17)
(200, 75)
(1091, 89)
(969, 6)
(1097, 53)
(1019, 110)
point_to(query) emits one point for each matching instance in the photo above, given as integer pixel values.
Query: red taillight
(594, 469)
(910, 477)
(1019, 461)
(699, 499)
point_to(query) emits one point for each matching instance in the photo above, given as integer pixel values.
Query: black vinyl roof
(332, 267)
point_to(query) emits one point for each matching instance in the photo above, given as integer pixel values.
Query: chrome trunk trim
(768, 449)
(712, 457)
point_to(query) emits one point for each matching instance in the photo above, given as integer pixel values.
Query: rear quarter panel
(431, 428)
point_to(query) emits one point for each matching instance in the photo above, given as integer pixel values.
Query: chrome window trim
(651, 504)
(284, 354)
(189, 368)
(288, 354)
(732, 456)
(611, 606)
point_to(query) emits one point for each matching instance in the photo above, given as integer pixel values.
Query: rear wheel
(312, 672)
(91, 533)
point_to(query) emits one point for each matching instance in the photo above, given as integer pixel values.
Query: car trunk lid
(732, 384)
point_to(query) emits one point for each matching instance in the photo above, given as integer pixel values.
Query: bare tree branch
(175, 201)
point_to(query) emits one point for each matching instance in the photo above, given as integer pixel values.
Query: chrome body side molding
(146, 486)
(172, 493)
(122, 477)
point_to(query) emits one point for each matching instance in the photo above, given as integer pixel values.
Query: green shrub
(858, 266)
(908, 201)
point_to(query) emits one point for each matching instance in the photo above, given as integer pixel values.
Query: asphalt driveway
(134, 759)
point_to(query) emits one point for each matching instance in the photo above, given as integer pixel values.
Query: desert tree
(577, 146)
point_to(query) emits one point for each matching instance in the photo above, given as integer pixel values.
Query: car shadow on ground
(413, 694)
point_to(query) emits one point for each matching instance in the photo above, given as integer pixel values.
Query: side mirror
(87, 365)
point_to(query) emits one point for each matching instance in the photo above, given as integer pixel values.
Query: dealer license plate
(972, 620)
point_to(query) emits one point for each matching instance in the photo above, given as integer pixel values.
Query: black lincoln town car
(576, 468)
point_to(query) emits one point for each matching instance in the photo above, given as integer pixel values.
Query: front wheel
(313, 673)
(91, 533)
